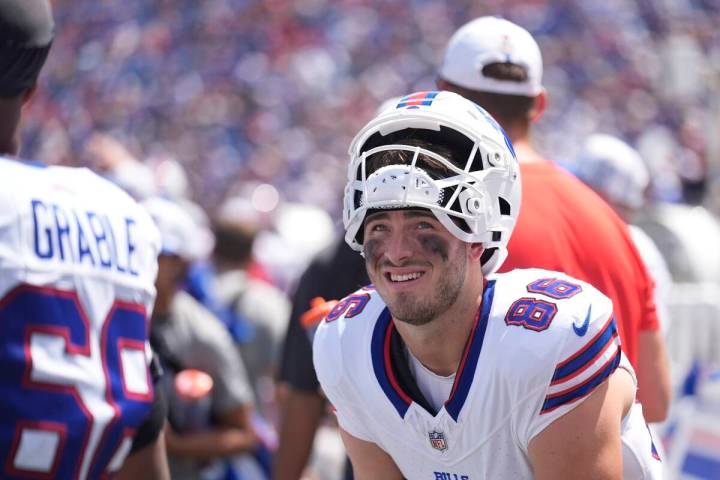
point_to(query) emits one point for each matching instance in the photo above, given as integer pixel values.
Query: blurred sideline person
(185, 336)
(333, 274)
(441, 369)
(78, 258)
(111, 159)
(616, 172)
(259, 310)
(563, 226)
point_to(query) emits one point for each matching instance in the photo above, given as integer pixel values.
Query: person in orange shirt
(563, 225)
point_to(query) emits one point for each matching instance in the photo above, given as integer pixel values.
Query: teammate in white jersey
(442, 370)
(77, 267)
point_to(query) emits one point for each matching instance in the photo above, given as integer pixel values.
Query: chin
(407, 309)
(414, 320)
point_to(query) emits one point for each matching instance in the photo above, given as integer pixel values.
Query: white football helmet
(478, 201)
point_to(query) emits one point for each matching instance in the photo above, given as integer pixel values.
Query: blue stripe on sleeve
(586, 355)
(583, 389)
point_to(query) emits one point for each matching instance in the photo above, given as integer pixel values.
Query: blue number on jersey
(353, 305)
(535, 314)
(531, 313)
(554, 288)
(50, 393)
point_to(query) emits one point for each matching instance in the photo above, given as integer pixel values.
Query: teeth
(405, 277)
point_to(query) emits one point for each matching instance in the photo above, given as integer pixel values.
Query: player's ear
(539, 106)
(475, 251)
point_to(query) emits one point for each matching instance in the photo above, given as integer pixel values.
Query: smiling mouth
(404, 277)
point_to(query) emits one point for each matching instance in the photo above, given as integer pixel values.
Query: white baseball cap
(487, 40)
(180, 234)
(614, 169)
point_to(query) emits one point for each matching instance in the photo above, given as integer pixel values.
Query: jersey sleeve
(148, 432)
(327, 358)
(589, 353)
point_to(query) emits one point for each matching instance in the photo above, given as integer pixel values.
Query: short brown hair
(446, 142)
(433, 167)
(233, 241)
(506, 109)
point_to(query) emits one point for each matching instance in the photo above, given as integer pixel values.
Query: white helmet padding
(477, 197)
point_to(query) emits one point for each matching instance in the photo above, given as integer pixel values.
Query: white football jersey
(78, 260)
(541, 343)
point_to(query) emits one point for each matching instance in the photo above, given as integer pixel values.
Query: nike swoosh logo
(582, 329)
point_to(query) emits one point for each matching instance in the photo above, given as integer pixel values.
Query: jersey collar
(392, 371)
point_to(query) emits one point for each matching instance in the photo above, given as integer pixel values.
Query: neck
(230, 266)
(10, 109)
(519, 133)
(439, 344)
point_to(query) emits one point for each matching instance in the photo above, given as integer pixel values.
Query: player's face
(416, 265)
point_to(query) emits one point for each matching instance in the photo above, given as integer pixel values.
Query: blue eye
(424, 226)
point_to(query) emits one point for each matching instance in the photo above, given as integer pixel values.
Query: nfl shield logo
(437, 440)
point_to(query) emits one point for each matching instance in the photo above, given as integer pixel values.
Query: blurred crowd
(246, 91)
(239, 114)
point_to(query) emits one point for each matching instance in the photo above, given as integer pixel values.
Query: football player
(77, 266)
(442, 369)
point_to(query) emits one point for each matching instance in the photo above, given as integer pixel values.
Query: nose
(398, 248)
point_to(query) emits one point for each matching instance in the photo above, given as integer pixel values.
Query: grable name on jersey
(71, 235)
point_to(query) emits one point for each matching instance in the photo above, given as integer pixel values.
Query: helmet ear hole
(455, 207)
(504, 206)
(487, 255)
(358, 199)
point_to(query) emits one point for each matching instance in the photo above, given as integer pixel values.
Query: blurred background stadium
(243, 91)
(246, 109)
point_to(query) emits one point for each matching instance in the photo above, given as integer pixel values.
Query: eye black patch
(435, 245)
(371, 251)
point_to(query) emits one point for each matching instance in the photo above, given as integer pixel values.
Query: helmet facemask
(466, 178)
